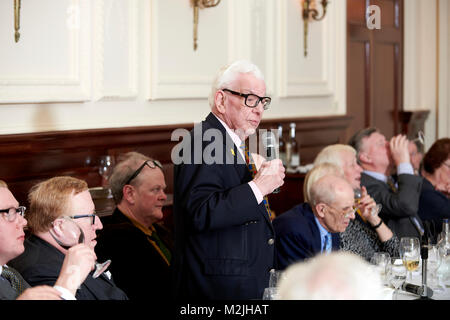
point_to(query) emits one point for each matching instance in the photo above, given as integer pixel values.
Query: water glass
(381, 260)
(396, 273)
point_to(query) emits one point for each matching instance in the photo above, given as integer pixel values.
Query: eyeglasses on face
(150, 163)
(347, 214)
(252, 100)
(11, 214)
(92, 215)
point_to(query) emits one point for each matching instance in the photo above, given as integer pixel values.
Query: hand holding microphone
(271, 174)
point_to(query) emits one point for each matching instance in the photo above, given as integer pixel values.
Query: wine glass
(358, 195)
(396, 273)
(433, 263)
(67, 233)
(420, 137)
(410, 254)
(381, 260)
(105, 168)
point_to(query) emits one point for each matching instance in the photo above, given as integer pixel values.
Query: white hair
(332, 154)
(228, 74)
(335, 276)
(317, 172)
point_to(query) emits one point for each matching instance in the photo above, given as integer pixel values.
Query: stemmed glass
(105, 168)
(420, 137)
(433, 263)
(358, 195)
(396, 273)
(410, 254)
(67, 233)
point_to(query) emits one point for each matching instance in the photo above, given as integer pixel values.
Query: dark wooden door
(375, 67)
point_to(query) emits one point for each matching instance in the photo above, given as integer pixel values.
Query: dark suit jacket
(298, 236)
(223, 238)
(399, 207)
(433, 206)
(41, 263)
(132, 254)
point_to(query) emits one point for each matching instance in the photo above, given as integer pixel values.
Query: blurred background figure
(132, 235)
(434, 204)
(337, 276)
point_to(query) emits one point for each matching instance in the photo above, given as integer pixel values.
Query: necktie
(252, 168)
(325, 247)
(391, 184)
(16, 280)
(154, 236)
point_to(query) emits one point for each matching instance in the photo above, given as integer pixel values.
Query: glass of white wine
(410, 254)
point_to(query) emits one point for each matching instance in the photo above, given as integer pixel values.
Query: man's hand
(270, 176)
(40, 293)
(399, 149)
(79, 261)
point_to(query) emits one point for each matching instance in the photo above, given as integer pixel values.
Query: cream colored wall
(427, 68)
(112, 63)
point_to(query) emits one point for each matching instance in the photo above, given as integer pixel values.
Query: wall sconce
(201, 4)
(17, 6)
(310, 13)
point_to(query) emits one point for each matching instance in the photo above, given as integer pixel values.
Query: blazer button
(271, 241)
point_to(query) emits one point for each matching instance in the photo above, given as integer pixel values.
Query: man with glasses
(313, 227)
(224, 239)
(43, 257)
(12, 236)
(133, 234)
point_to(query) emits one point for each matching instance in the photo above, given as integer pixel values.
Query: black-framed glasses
(252, 100)
(11, 213)
(92, 215)
(150, 163)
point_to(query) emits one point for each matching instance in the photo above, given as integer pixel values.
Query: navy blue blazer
(298, 236)
(224, 239)
(433, 206)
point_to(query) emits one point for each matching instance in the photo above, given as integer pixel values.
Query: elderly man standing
(224, 239)
(79, 258)
(313, 228)
(51, 200)
(400, 199)
(131, 237)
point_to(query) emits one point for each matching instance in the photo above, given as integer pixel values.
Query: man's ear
(364, 158)
(219, 100)
(320, 209)
(128, 193)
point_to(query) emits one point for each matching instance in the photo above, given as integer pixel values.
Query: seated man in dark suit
(379, 160)
(12, 284)
(313, 227)
(132, 237)
(41, 262)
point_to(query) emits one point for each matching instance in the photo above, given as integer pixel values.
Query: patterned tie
(252, 168)
(16, 280)
(391, 184)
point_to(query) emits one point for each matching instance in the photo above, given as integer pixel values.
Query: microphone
(270, 146)
(417, 290)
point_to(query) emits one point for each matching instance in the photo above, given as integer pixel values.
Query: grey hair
(228, 74)
(325, 189)
(317, 172)
(126, 166)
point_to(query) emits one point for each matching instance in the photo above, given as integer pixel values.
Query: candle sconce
(310, 13)
(201, 4)
(17, 5)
